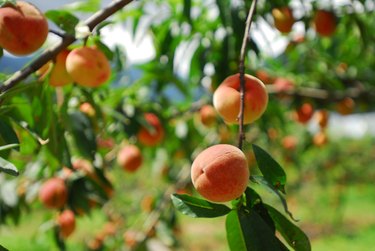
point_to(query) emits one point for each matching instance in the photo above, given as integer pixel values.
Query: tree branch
(250, 16)
(50, 53)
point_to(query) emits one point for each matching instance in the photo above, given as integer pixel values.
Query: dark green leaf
(7, 133)
(295, 237)
(7, 167)
(247, 231)
(195, 207)
(104, 48)
(65, 20)
(4, 3)
(2, 248)
(270, 169)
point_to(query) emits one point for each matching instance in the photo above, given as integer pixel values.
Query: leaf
(7, 167)
(65, 20)
(295, 237)
(7, 133)
(195, 207)
(270, 169)
(10, 146)
(2, 248)
(4, 3)
(104, 48)
(247, 231)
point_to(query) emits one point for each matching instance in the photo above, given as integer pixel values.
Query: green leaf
(2, 248)
(7, 167)
(270, 169)
(10, 146)
(65, 20)
(104, 48)
(4, 3)
(247, 231)
(7, 133)
(295, 237)
(195, 207)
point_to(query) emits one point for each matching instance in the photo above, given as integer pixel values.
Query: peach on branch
(220, 173)
(23, 28)
(283, 19)
(53, 193)
(304, 113)
(130, 158)
(59, 75)
(324, 22)
(207, 115)
(66, 222)
(322, 117)
(226, 99)
(88, 66)
(345, 106)
(154, 134)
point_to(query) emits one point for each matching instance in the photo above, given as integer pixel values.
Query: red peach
(283, 19)
(130, 158)
(289, 142)
(59, 76)
(322, 117)
(304, 113)
(220, 173)
(226, 99)
(88, 66)
(345, 106)
(324, 22)
(207, 115)
(23, 28)
(67, 223)
(53, 193)
(153, 136)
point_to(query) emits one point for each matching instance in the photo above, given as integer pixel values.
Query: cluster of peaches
(324, 21)
(24, 29)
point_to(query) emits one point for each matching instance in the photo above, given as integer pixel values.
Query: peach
(345, 106)
(320, 139)
(289, 142)
(283, 84)
(67, 223)
(324, 22)
(130, 158)
(23, 28)
(264, 76)
(304, 113)
(43, 71)
(59, 75)
(283, 19)
(207, 115)
(53, 193)
(322, 117)
(220, 173)
(88, 66)
(153, 135)
(87, 109)
(226, 99)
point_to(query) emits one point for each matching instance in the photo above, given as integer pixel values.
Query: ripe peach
(264, 76)
(59, 76)
(304, 113)
(220, 173)
(320, 139)
(345, 106)
(88, 66)
(226, 99)
(154, 135)
(53, 193)
(67, 223)
(207, 115)
(130, 158)
(322, 117)
(283, 84)
(43, 71)
(23, 28)
(283, 19)
(87, 109)
(289, 142)
(324, 22)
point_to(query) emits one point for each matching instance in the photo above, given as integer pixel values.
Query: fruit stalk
(241, 67)
(50, 53)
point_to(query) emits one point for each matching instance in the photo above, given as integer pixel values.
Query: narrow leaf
(2, 248)
(195, 207)
(10, 146)
(8, 134)
(270, 169)
(7, 167)
(292, 234)
(65, 20)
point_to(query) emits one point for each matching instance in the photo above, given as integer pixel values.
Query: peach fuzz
(67, 223)
(153, 136)
(130, 158)
(226, 99)
(59, 75)
(23, 28)
(324, 22)
(283, 19)
(220, 173)
(88, 66)
(53, 193)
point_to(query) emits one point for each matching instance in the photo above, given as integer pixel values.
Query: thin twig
(242, 72)
(51, 53)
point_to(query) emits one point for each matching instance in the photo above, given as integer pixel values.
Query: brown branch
(51, 53)
(249, 19)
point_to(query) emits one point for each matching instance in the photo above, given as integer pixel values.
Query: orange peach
(59, 76)
(322, 117)
(324, 22)
(220, 173)
(67, 223)
(53, 193)
(43, 71)
(283, 84)
(130, 158)
(87, 109)
(153, 135)
(88, 66)
(289, 142)
(264, 76)
(283, 19)
(320, 139)
(226, 99)
(345, 106)
(304, 113)
(23, 28)
(207, 115)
